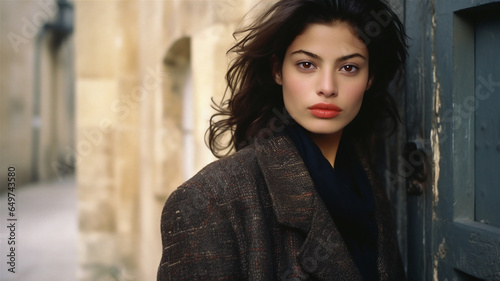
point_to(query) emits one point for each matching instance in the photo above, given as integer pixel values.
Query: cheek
(294, 88)
(353, 101)
(357, 97)
(355, 93)
(291, 99)
(357, 101)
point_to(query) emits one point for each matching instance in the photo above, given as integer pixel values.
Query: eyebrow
(314, 56)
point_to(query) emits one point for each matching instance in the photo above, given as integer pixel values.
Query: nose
(327, 85)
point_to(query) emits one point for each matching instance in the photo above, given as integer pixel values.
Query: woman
(298, 200)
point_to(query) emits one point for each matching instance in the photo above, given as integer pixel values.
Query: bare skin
(324, 76)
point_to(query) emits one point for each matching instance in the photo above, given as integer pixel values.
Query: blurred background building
(145, 74)
(37, 106)
(111, 98)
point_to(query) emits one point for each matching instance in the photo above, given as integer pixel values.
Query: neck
(328, 144)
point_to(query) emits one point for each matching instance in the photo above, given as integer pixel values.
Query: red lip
(325, 110)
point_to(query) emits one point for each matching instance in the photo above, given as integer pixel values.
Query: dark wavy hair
(254, 96)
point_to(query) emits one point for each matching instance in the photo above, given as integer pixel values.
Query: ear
(277, 70)
(369, 83)
(277, 78)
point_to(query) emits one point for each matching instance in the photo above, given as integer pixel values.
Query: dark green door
(452, 117)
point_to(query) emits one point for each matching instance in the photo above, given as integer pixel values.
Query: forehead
(336, 38)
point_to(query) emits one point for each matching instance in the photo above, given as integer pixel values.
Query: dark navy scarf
(347, 193)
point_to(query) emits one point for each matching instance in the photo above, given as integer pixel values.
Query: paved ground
(46, 233)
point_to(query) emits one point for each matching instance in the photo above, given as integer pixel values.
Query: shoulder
(247, 176)
(197, 224)
(221, 181)
(218, 178)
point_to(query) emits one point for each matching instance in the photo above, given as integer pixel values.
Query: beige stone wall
(21, 24)
(145, 74)
(107, 136)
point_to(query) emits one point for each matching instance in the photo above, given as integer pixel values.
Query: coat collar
(296, 204)
(288, 181)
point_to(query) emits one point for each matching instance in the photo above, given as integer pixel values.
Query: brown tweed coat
(255, 215)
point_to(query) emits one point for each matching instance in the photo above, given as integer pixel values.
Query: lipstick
(325, 110)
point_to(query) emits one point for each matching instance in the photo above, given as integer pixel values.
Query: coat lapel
(288, 182)
(296, 204)
(324, 254)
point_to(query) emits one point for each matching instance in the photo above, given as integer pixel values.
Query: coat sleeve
(198, 240)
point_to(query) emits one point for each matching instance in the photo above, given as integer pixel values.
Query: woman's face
(324, 77)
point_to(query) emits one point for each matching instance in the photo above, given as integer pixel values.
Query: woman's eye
(349, 68)
(306, 65)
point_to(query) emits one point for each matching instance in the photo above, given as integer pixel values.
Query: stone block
(98, 103)
(97, 38)
(99, 255)
(97, 216)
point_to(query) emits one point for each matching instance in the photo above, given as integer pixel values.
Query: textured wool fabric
(256, 215)
(347, 194)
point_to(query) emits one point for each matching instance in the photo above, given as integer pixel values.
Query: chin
(321, 129)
